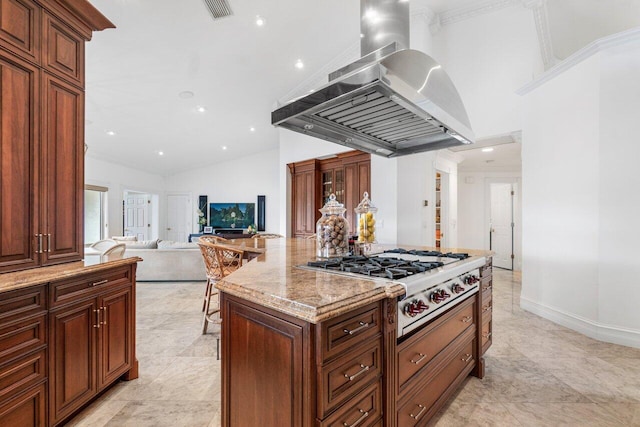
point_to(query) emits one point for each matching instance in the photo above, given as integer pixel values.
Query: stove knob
(445, 295)
(411, 309)
(456, 288)
(422, 306)
(436, 296)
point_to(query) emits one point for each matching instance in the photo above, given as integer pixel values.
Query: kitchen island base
(279, 370)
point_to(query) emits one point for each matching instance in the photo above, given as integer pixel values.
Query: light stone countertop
(273, 280)
(37, 276)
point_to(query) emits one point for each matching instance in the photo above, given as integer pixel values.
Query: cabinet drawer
(26, 409)
(487, 335)
(487, 305)
(416, 353)
(486, 284)
(346, 376)
(21, 336)
(63, 50)
(21, 373)
(22, 302)
(345, 331)
(68, 291)
(420, 405)
(19, 27)
(364, 410)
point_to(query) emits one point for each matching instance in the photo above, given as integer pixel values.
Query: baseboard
(595, 330)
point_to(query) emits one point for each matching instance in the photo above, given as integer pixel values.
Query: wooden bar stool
(219, 262)
(207, 293)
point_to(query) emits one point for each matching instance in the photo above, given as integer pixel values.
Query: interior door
(501, 224)
(179, 217)
(136, 215)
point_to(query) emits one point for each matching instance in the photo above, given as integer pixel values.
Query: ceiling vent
(218, 8)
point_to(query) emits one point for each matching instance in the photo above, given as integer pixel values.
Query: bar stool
(207, 293)
(219, 262)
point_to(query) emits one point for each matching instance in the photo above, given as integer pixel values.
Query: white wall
(118, 178)
(488, 58)
(239, 180)
(580, 206)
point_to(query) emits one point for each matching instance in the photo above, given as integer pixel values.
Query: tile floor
(538, 373)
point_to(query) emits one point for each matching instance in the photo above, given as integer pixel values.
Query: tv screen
(232, 215)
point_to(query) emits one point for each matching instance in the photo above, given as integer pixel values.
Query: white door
(501, 224)
(136, 215)
(179, 217)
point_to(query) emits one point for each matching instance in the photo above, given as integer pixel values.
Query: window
(95, 201)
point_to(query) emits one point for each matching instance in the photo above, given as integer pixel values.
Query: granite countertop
(36, 276)
(273, 280)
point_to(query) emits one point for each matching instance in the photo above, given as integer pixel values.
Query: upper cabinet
(42, 129)
(348, 176)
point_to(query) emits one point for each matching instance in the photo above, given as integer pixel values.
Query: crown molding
(541, 20)
(479, 7)
(605, 43)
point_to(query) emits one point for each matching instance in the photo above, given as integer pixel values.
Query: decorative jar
(366, 219)
(332, 230)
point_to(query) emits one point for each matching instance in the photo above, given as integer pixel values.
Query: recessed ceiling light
(224, 147)
(185, 94)
(299, 64)
(160, 153)
(252, 129)
(311, 91)
(260, 21)
(487, 150)
(201, 109)
(110, 133)
(361, 35)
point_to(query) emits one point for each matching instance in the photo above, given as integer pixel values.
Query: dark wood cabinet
(64, 341)
(91, 341)
(484, 315)
(347, 175)
(305, 179)
(42, 129)
(19, 162)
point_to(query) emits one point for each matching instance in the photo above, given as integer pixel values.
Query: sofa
(165, 260)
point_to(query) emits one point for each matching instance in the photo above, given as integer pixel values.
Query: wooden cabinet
(63, 342)
(484, 338)
(347, 175)
(305, 178)
(91, 341)
(42, 129)
(293, 373)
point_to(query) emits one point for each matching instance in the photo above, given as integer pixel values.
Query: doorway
(138, 211)
(179, 216)
(441, 209)
(501, 223)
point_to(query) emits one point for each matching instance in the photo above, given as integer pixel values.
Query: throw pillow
(125, 238)
(143, 244)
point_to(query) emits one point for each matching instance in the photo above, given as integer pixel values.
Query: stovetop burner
(386, 267)
(427, 253)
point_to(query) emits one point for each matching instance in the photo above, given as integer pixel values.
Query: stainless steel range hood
(391, 102)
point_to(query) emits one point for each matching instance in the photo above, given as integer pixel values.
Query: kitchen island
(303, 347)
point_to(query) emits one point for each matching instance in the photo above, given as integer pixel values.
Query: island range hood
(393, 101)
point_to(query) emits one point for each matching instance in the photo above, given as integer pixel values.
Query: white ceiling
(238, 70)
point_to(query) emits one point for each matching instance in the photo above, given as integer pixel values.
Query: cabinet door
(352, 198)
(304, 221)
(19, 27)
(63, 140)
(114, 344)
(310, 199)
(72, 358)
(18, 164)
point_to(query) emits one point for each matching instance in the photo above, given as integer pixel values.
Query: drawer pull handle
(104, 315)
(362, 326)
(467, 319)
(487, 308)
(357, 374)
(469, 357)
(49, 243)
(421, 358)
(419, 414)
(487, 335)
(359, 420)
(486, 288)
(97, 325)
(101, 282)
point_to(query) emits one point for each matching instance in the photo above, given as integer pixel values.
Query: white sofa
(169, 261)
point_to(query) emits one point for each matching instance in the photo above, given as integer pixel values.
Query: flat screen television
(232, 215)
